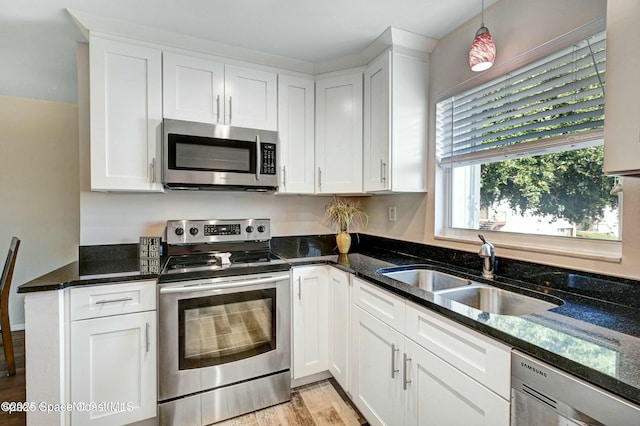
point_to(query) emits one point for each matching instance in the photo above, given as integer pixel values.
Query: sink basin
(426, 279)
(496, 300)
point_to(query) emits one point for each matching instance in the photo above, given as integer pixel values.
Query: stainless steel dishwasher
(542, 395)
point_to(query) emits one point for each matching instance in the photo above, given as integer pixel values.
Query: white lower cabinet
(439, 394)
(339, 320)
(396, 381)
(376, 376)
(113, 354)
(310, 326)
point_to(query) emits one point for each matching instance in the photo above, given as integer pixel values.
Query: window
(524, 153)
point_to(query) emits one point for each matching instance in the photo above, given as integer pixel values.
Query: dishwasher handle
(186, 288)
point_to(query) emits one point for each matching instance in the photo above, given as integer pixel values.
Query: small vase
(343, 239)
(343, 259)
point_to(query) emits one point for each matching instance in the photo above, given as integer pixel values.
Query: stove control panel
(217, 231)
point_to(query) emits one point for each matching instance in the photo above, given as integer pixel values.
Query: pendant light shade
(483, 49)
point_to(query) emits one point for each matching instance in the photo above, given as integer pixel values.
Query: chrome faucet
(488, 255)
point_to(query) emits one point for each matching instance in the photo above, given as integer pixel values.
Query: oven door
(216, 332)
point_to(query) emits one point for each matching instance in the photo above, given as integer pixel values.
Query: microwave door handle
(258, 158)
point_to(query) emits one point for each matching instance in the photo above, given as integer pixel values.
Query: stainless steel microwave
(215, 156)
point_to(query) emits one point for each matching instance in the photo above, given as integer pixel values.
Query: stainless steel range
(224, 315)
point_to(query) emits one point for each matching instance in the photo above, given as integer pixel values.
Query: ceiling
(38, 38)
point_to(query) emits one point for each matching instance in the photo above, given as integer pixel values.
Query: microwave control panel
(268, 158)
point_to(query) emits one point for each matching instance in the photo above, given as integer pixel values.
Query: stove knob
(249, 229)
(193, 231)
(262, 228)
(179, 231)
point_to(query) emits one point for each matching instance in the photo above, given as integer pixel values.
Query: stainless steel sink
(495, 300)
(426, 279)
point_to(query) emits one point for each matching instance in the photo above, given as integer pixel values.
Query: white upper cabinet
(296, 99)
(622, 128)
(395, 114)
(193, 88)
(198, 88)
(126, 116)
(251, 97)
(339, 134)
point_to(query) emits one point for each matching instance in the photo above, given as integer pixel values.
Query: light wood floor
(321, 404)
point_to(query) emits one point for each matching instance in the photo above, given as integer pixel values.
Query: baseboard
(16, 327)
(323, 375)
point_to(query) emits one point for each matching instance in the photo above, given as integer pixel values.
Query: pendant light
(483, 49)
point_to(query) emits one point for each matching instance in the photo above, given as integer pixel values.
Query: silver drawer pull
(124, 299)
(405, 382)
(146, 334)
(394, 370)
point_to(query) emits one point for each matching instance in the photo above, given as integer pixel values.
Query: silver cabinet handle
(319, 179)
(258, 157)
(394, 370)
(299, 288)
(146, 336)
(383, 171)
(284, 176)
(405, 382)
(218, 109)
(124, 299)
(153, 170)
(230, 105)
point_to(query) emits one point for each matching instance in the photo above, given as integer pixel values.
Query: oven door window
(211, 154)
(225, 328)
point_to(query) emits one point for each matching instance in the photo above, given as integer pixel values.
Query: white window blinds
(554, 104)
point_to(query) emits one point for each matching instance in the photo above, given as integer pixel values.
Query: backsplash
(601, 287)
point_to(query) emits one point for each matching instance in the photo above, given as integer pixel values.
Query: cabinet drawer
(383, 305)
(112, 299)
(479, 357)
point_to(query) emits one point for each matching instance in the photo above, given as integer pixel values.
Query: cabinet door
(339, 134)
(310, 325)
(377, 123)
(126, 116)
(114, 362)
(193, 88)
(622, 128)
(376, 363)
(339, 307)
(380, 303)
(439, 394)
(395, 130)
(482, 358)
(296, 131)
(251, 98)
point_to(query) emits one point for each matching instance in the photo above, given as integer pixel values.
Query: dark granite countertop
(595, 335)
(97, 265)
(598, 341)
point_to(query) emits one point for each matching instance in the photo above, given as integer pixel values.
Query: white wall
(517, 26)
(39, 189)
(112, 218)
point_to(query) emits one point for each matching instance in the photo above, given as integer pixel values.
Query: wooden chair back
(5, 289)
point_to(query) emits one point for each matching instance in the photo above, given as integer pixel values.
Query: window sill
(588, 249)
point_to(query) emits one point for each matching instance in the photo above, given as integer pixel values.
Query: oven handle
(186, 288)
